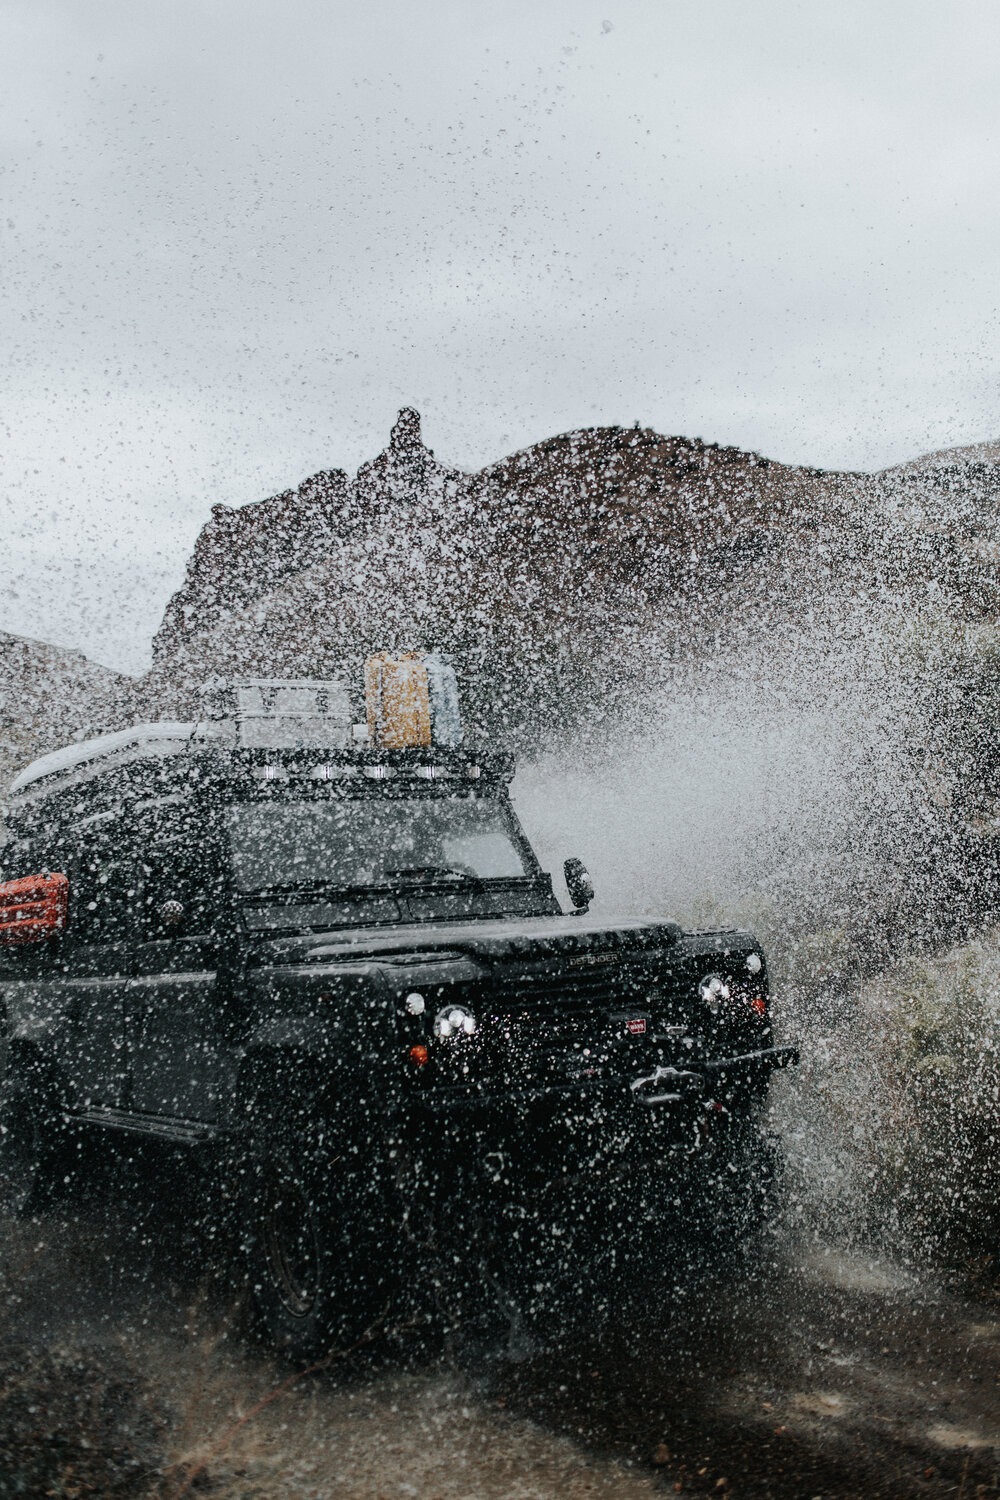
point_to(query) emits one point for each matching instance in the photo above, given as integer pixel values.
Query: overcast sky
(239, 234)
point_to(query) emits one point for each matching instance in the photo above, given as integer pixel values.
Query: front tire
(741, 1192)
(313, 1241)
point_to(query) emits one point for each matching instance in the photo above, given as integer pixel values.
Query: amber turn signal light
(419, 1055)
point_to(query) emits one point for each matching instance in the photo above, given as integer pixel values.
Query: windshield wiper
(317, 889)
(309, 888)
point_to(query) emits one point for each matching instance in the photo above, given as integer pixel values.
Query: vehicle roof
(141, 741)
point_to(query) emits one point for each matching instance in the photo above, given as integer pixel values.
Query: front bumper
(629, 1141)
(664, 1087)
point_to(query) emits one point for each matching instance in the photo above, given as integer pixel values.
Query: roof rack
(282, 714)
(297, 719)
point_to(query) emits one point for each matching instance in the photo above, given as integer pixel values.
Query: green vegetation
(940, 1046)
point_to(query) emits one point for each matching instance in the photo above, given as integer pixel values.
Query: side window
(182, 873)
(103, 891)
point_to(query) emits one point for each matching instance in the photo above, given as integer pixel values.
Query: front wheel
(740, 1193)
(314, 1245)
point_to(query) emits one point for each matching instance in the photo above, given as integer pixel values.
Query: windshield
(369, 842)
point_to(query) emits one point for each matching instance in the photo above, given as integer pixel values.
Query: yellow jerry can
(397, 700)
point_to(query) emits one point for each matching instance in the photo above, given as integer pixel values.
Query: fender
(343, 1017)
(34, 1021)
(292, 1057)
(297, 1077)
(305, 1035)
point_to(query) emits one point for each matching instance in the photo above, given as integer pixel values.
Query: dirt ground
(810, 1371)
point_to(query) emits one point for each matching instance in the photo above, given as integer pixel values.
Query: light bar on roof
(276, 714)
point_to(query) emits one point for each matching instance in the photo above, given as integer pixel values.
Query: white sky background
(240, 235)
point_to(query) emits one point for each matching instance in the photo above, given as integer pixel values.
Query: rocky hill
(50, 695)
(612, 576)
(580, 571)
(543, 573)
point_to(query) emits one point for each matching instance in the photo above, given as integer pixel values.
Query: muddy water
(817, 1374)
(800, 1370)
(826, 1361)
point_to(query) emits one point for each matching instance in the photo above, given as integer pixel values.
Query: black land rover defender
(342, 971)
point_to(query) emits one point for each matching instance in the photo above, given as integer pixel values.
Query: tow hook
(667, 1086)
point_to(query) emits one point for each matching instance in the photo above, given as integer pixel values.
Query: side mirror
(579, 884)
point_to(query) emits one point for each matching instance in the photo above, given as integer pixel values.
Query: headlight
(454, 1020)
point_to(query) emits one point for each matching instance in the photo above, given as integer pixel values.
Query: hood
(502, 941)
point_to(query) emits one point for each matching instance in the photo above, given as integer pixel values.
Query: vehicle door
(171, 1004)
(87, 976)
(63, 994)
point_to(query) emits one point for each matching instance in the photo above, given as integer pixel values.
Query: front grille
(559, 994)
(522, 1052)
(567, 1021)
(563, 1022)
(547, 1025)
